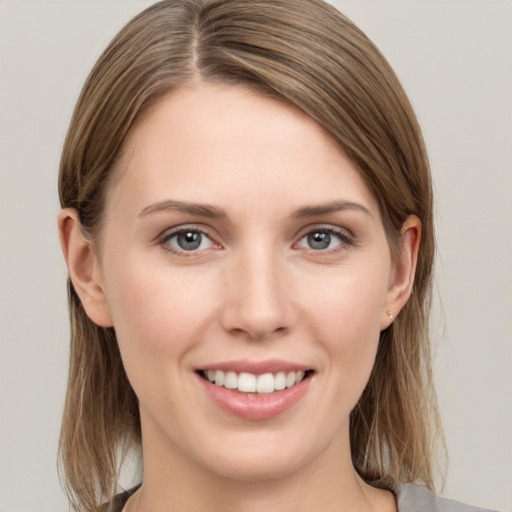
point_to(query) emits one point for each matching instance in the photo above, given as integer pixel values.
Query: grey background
(454, 58)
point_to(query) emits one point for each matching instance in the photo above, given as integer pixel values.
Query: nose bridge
(258, 301)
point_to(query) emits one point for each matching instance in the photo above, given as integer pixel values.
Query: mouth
(256, 390)
(255, 384)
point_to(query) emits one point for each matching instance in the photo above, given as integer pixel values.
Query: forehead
(216, 143)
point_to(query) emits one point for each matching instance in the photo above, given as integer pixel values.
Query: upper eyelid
(169, 232)
(325, 227)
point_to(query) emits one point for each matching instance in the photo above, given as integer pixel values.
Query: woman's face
(241, 246)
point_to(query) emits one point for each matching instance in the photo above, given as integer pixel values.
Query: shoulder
(415, 498)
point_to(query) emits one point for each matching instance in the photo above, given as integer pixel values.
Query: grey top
(415, 498)
(410, 498)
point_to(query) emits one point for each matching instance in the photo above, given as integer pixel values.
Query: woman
(247, 224)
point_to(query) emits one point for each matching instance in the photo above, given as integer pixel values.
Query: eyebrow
(200, 210)
(212, 212)
(328, 208)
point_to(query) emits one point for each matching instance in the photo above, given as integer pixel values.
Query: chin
(255, 457)
(256, 468)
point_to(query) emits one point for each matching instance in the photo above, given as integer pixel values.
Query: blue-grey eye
(189, 240)
(320, 240)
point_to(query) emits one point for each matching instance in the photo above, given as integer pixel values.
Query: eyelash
(169, 235)
(345, 240)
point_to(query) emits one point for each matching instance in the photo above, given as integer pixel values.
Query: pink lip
(252, 406)
(256, 367)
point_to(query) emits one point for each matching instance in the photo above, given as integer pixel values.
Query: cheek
(157, 312)
(158, 317)
(348, 305)
(347, 324)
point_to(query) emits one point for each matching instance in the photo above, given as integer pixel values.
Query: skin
(255, 289)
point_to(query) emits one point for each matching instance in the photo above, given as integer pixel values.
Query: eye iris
(319, 240)
(189, 240)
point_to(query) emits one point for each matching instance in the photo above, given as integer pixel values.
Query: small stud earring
(390, 315)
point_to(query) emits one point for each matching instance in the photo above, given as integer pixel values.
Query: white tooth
(210, 374)
(247, 382)
(219, 378)
(265, 383)
(280, 381)
(299, 376)
(290, 379)
(231, 380)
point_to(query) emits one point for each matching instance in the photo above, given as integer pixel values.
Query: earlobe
(83, 267)
(402, 277)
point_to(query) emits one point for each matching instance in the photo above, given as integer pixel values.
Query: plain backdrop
(454, 58)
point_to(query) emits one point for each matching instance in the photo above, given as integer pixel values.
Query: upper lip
(256, 367)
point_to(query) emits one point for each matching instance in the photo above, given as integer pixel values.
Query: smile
(245, 382)
(253, 390)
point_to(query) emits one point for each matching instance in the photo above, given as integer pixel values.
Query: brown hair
(304, 52)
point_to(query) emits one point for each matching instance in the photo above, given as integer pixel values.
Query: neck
(174, 481)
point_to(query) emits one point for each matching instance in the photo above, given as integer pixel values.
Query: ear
(402, 275)
(83, 267)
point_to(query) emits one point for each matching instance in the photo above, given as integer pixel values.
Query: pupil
(319, 240)
(189, 241)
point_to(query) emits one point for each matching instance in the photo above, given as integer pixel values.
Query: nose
(257, 296)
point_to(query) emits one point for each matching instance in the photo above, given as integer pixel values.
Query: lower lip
(255, 407)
